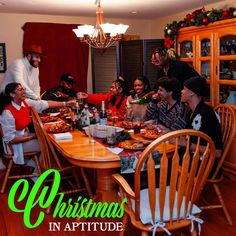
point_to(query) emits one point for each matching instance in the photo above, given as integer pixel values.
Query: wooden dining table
(80, 152)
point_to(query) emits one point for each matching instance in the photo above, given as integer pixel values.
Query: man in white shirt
(26, 72)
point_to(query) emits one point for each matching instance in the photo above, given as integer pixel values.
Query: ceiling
(146, 9)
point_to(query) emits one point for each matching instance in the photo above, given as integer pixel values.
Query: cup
(114, 119)
(129, 113)
(91, 134)
(111, 135)
(137, 125)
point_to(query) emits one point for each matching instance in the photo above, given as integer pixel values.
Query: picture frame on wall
(3, 61)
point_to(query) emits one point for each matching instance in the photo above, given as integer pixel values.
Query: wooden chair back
(228, 126)
(180, 179)
(52, 160)
(49, 157)
(9, 156)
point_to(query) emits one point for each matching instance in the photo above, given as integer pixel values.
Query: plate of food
(129, 125)
(152, 134)
(133, 145)
(59, 127)
(46, 119)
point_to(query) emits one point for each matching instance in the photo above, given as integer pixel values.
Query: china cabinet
(211, 50)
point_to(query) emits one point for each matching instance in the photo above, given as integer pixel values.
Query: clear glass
(228, 45)
(91, 134)
(186, 49)
(205, 48)
(111, 135)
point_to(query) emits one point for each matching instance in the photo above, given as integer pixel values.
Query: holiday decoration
(197, 18)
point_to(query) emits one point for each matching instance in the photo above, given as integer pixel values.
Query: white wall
(11, 31)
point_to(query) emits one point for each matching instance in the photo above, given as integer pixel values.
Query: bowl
(101, 130)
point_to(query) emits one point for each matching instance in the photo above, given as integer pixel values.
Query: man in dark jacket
(63, 91)
(168, 66)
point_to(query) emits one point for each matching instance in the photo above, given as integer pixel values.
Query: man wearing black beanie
(203, 117)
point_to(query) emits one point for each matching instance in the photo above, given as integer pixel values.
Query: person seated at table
(169, 113)
(203, 117)
(63, 91)
(141, 87)
(115, 99)
(15, 117)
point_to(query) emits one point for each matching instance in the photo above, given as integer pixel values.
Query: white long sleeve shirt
(22, 72)
(9, 129)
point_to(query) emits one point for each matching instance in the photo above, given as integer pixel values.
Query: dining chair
(51, 159)
(11, 172)
(227, 120)
(169, 201)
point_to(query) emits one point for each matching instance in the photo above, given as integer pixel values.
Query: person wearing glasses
(25, 71)
(168, 65)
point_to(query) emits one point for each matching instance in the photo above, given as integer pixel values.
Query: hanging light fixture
(102, 35)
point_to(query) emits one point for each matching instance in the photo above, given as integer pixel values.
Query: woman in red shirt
(115, 99)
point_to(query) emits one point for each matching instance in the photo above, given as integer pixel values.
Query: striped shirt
(173, 118)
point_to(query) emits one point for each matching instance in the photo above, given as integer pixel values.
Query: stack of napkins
(115, 150)
(63, 136)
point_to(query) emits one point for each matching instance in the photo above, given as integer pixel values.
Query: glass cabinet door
(226, 66)
(186, 49)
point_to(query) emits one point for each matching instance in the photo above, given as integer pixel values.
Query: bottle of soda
(103, 115)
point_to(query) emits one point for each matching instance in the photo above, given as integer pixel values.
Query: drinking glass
(111, 135)
(115, 118)
(137, 125)
(129, 113)
(91, 134)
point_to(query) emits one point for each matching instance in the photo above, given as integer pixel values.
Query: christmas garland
(196, 18)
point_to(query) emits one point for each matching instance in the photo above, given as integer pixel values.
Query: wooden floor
(11, 224)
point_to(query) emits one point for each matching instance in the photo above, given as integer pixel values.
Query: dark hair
(161, 51)
(170, 85)
(146, 82)
(122, 83)
(5, 97)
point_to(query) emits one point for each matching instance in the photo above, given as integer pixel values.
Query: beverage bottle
(103, 115)
(96, 116)
(87, 115)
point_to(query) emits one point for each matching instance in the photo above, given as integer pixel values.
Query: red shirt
(22, 116)
(97, 99)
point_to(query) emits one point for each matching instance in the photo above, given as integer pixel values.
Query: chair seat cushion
(145, 213)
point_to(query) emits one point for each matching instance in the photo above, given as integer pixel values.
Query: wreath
(197, 18)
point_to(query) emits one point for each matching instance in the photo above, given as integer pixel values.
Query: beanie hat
(197, 84)
(67, 78)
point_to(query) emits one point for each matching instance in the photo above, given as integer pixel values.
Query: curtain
(62, 53)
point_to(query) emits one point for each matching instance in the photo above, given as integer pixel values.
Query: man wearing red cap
(26, 72)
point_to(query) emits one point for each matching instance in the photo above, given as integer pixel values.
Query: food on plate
(132, 145)
(129, 125)
(152, 134)
(60, 127)
(46, 119)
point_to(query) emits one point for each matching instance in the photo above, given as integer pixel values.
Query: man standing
(26, 72)
(167, 65)
(63, 91)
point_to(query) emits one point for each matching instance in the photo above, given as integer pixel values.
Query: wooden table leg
(106, 188)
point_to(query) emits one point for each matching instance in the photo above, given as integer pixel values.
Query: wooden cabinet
(211, 50)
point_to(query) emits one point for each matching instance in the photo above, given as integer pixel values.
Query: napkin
(115, 150)
(63, 136)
